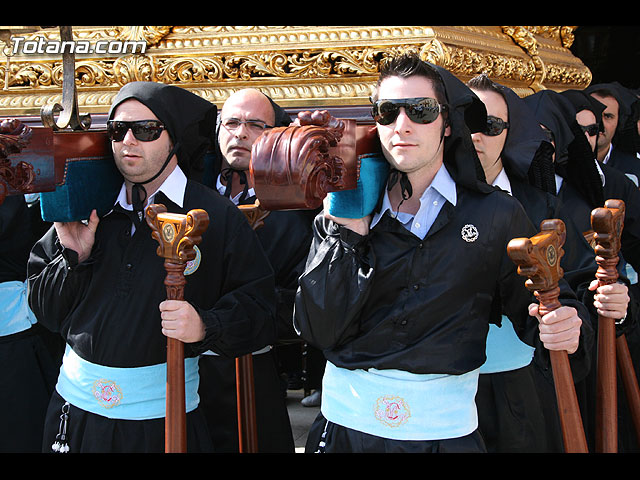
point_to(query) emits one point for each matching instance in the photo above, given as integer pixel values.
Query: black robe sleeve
(334, 286)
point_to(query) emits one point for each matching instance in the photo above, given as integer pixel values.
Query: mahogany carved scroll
(294, 167)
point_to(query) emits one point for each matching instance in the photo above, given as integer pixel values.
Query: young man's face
(407, 145)
(609, 120)
(489, 148)
(137, 160)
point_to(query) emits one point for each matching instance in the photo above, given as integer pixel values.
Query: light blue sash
(15, 314)
(400, 405)
(505, 351)
(124, 393)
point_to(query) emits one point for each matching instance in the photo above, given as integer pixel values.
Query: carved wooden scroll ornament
(294, 167)
(177, 235)
(538, 259)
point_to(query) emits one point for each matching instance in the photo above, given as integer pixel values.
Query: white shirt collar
(502, 182)
(442, 183)
(173, 187)
(606, 157)
(221, 188)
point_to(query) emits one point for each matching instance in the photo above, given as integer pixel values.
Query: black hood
(524, 136)
(467, 115)
(189, 119)
(626, 137)
(557, 114)
(578, 165)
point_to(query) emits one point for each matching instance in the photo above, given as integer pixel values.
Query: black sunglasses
(420, 110)
(143, 130)
(590, 130)
(495, 126)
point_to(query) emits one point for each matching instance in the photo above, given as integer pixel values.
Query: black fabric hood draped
(579, 165)
(524, 137)
(556, 113)
(623, 96)
(581, 100)
(467, 115)
(626, 137)
(189, 119)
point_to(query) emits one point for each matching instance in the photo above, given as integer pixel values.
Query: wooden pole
(538, 258)
(607, 224)
(176, 235)
(245, 385)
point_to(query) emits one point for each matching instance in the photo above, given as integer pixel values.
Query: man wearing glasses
(400, 301)
(285, 237)
(100, 283)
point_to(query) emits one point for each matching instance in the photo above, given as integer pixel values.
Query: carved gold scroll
(297, 66)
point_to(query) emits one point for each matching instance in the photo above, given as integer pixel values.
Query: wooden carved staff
(176, 235)
(607, 224)
(245, 386)
(538, 258)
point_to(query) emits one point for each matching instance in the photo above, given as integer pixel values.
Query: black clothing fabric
(123, 279)
(393, 301)
(30, 358)
(285, 238)
(91, 433)
(20, 227)
(583, 190)
(328, 437)
(218, 404)
(510, 412)
(106, 308)
(28, 378)
(625, 162)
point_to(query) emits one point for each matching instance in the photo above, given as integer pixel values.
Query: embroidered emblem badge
(469, 233)
(392, 411)
(107, 392)
(192, 265)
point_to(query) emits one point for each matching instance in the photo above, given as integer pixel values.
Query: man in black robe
(516, 158)
(285, 237)
(400, 301)
(583, 184)
(100, 283)
(29, 353)
(614, 123)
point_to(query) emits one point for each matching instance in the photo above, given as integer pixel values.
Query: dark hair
(407, 65)
(605, 93)
(483, 83)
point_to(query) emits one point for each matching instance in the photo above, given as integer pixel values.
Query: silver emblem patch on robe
(469, 233)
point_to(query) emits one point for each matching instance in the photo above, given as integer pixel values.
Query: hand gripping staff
(607, 223)
(176, 235)
(538, 258)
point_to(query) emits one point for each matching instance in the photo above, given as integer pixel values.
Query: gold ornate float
(298, 66)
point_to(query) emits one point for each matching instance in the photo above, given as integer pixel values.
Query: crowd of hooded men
(427, 338)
